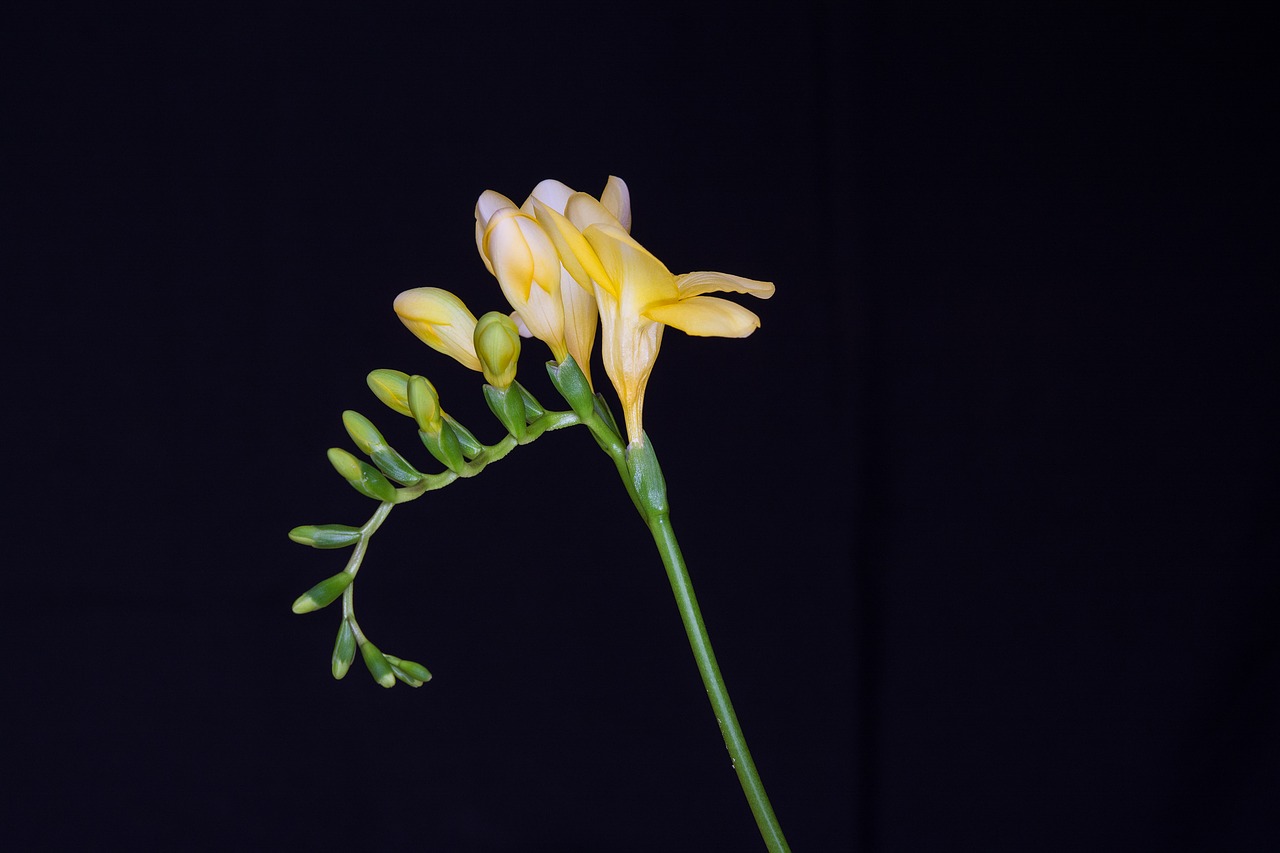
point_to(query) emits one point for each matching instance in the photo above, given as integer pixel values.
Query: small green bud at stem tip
(344, 650)
(379, 666)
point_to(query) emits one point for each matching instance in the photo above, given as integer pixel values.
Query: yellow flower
(442, 321)
(504, 234)
(523, 259)
(637, 295)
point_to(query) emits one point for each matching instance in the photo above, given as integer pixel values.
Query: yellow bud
(497, 343)
(424, 403)
(391, 387)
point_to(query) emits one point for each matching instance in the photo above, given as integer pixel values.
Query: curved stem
(717, 692)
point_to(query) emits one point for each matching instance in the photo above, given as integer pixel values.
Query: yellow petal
(616, 199)
(706, 316)
(487, 205)
(576, 254)
(551, 193)
(697, 283)
(641, 278)
(584, 211)
(512, 261)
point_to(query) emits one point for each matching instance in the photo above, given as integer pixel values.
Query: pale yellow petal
(546, 261)
(580, 317)
(550, 192)
(697, 283)
(641, 278)
(706, 316)
(616, 199)
(487, 205)
(584, 211)
(513, 264)
(576, 254)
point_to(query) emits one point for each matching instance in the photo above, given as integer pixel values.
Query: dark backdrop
(978, 517)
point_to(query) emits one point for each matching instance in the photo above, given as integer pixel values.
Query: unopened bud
(325, 535)
(344, 650)
(424, 404)
(390, 386)
(362, 476)
(379, 666)
(323, 594)
(497, 343)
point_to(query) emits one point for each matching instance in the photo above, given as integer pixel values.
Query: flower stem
(649, 488)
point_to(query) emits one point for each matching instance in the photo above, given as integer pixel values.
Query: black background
(982, 518)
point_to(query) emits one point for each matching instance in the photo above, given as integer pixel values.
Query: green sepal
(323, 594)
(445, 447)
(532, 408)
(325, 536)
(362, 476)
(390, 386)
(573, 386)
(471, 446)
(646, 476)
(344, 650)
(395, 466)
(602, 409)
(379, 666)
(507, 406)
(410, 668)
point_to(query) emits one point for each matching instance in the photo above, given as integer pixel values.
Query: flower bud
(344, 650)
(497, 343)
(325, 535)
(390, 386)
(362, 476)
(424, 405)
(441, 321)
(324, 593)
(379, 666)
(362, 431)
(412, 674)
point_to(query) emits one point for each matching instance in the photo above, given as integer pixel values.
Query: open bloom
(522, 255)
(638, 296)
(442, 321)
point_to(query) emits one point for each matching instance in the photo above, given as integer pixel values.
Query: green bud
(410, 668)
(573, 386)
(362, 476)
(325, 535)
(507, 406)
(497, 342)
(390, 387)
(362, 431)
(378, 665)
(323, 594)
(344, 650)
(424, 404)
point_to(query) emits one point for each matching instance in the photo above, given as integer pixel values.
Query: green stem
(649, 487)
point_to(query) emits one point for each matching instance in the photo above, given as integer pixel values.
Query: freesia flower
(572, 330)
(442, 321)
(523, 259)
(638, 296)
